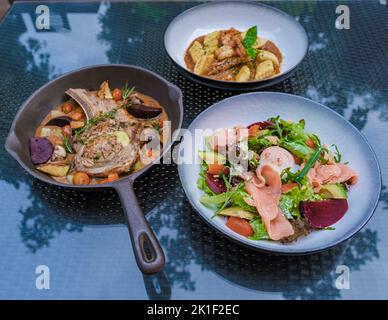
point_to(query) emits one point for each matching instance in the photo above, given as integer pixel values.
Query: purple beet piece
(41, 150)
(143, 111)
(59, 121)
(215, 184)
(321, 214)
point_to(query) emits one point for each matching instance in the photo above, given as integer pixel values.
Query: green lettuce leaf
(201, 181)
(233, 198)
(258, 143)
(289, 202)
(260, 233)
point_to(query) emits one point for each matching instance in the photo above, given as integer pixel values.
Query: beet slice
(41, 150)
(321, 214)
(215, 183)
(59, 121)
(262, 124)
(143, 111)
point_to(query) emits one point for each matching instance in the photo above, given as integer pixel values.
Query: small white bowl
(273, 24)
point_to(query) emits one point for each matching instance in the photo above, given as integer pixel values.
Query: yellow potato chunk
(243, 75)
(267, 55)
(211, 42)
(196, 51)
(260, 42)
(264, 70)
(203, 64)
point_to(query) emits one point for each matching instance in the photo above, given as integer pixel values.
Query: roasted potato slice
(267, 55)
(243, 75)
(264, 70)
(196, 51)
(203, 64)
(104, 91)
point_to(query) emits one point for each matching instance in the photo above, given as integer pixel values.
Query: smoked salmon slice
(331, 173)
(266, 197)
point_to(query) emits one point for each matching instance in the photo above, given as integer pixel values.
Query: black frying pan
(148, 253)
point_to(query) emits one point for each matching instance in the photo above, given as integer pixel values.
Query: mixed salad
(273, 180)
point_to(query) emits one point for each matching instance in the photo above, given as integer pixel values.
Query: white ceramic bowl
(273, 24)
(328, 125)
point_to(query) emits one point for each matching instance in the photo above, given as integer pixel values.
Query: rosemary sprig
(93, 121)
(127, 91)
(126, 94)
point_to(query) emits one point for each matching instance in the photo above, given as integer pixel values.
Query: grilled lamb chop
(112, 144)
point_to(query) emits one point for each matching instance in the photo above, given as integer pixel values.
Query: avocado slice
(211, 157)
(237, 212)
(54, 170)
(334, 191)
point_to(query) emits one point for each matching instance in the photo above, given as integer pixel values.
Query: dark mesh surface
(82, 236)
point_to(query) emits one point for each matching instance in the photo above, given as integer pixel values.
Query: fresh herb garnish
(67, 144)
(249, 41)
(228, 189)
(127, 91)
(156, 125)
(310, 162)
(337, 154)
(93, 121)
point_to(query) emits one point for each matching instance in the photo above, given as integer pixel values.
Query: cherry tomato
(216, 168)
(113, 177)
(288, 186)
(77, 115)
(80, 178)
(117, 94)
(67, 107)
(67, 130)
(254, 130)
(297, 159)
(240, 226)
(310, 143)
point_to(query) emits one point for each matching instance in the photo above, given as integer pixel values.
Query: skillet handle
(148, 253)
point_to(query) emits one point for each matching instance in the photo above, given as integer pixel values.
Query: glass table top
(82, 237)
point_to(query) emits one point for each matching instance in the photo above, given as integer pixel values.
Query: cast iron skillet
(147, 250)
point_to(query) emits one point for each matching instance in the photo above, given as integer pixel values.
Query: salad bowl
(331, 128)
